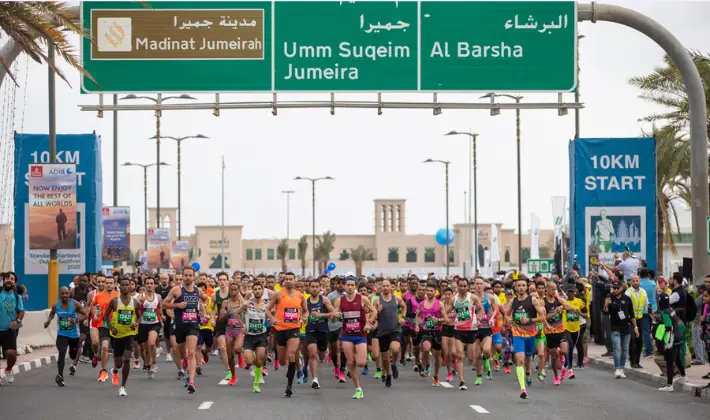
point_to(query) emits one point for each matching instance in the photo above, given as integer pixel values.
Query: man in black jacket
(621, 316)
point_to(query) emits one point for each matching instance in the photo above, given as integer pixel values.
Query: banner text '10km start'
(330, 46)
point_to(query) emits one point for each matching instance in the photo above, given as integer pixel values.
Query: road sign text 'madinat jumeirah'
(330, 46)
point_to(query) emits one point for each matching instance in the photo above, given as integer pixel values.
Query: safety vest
(638, 300)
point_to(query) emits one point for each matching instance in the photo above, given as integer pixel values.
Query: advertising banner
(83, 151)
(144, 260)
(159, 248)
(179, 255)
(116, 224)
(613, 204)
(52, 201)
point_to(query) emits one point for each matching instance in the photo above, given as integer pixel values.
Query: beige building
(394, 251)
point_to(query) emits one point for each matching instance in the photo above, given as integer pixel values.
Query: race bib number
(291, 315)
(233, 322)
(255, 326)
(149, 315)
(313, 320)
(352, 326)
(572, 317)
(189, 316)
(539, 327)
(430, 323)
(518, 317)
(125, 317)
(66, 324)
(463, 313)
(204, 320)
(97, 311)
(557, 317)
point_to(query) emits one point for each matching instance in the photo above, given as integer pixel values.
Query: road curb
(688, 388)
(35, 364)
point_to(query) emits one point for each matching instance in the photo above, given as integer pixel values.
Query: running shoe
(570, 374)
(540, 378)
(198, 370)
(305, 375)
(378, 374)
(388, 381)
(341, 378)
(168, 357)
(277, 365)
(358, 395)
(299, 377)
(528, 379)
(103, 375)
(191, 388)
(94, 361)
(435, 381)
(336, 372)
(365, 371)
(557, 381)
(422, 373)
(59, 380)
(154, 368)
(184, 364)
(462, 386)
(264, 372)
(255, 388)
(187, 381)
(9, 376)
(449, 377)
(136, 364)
(181, 375)
(114, 378)
(428, 370)
(233, 381)
(489, 375)
(215, 352)
(507, 369)
(563, 374)
(315, 384)
(241, 362)
(667, 388)
(72, 370)
(523, 394)
(395, 371)
(289, 392)
(496, 365)
(479, 380)
(122, 392)
(416, 368)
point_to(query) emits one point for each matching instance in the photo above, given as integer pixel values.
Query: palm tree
(302, 249)
(32, 24)
(323, 249)
(672, 184)
(282, 253)
(665, 87)
(359, 255)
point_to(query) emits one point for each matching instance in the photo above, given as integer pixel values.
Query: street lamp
(145, 194)
(179, 141)
(517, 99)
(288, 211)
(158, 102)
(446, 165)
(473, 136)
(313, 185)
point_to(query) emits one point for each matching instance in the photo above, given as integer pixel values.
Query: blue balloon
(441, 236)
(196, 266)
(331, 266)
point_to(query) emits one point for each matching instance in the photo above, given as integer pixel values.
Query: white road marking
(446, 385)
(206, 405)
(479, 409)
(223, 382)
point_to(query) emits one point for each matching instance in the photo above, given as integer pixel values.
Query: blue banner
(83, 150)
(613, 204)
(116, 234)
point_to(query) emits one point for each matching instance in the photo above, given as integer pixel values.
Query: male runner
(257, 335)
(448, 332)
(358, 319)
(409, 331)
(99, 304)
(291, 309)
(555, 330)
(319, 310)
(80, 293)
(429, 318)
(70, 314)
(483, 346)
(234, 328)
(524, 311)
(162, 290)
(465, 325)
(389, 330)
(222, 294)
(335, 327)
(122, 318)
(184, 300)
(149, 328)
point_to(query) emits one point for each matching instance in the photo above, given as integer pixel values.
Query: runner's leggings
(576, 341)
(64, 343)
(672, 356)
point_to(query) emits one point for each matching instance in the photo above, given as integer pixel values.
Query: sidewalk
(39, 357)
(651, 371)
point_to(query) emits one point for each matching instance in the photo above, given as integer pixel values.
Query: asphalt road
(593, 394)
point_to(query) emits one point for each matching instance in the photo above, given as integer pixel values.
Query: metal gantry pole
(222, 241)
(115, 160)
(313, 182)
(145, 207)
(448, 238)
(520, 205)
(475, 207)
(157, 160)
(53, 265)
(468, 242)
(470, 195)
(179, 174)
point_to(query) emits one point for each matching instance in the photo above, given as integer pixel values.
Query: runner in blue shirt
(12, 311)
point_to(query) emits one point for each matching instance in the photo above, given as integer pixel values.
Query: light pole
(313, 185)
(179, 141)
(517, 99)
(473, 136)
(288, 212)
(446, 165)
(145, 194)
(158, 102)
(576, 98)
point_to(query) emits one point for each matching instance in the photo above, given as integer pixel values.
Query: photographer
(621, 317)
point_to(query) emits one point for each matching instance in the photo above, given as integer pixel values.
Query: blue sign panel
(84, 150)
(613, 205)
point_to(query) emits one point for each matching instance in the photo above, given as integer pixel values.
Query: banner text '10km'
(330, 46)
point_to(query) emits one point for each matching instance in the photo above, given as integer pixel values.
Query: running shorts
(123, 346)
(387, 339)
(8, 340)
(554, 340)
(334, 336)
(167, 328)
(524, 345)
(448, 331)
(282, 337)
(206, 337)
(483, 333)
(252, 342)
(183, 331)
(497, 339)
(145, 329)
(433, 337)
(539, 340)
(466, 337)
(103, 334)
(319, 338)
(355, 339)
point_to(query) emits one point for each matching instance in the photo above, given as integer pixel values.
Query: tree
(282, 253)
(665, 87)
(324, 247)
(359, 255)
(672, 184)
(34, 24)
(302, 250)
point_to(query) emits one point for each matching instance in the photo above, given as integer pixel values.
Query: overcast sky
(370, 156)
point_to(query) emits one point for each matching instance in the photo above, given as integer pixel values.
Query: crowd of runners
(254, 325)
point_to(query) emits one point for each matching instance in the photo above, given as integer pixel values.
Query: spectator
(640, 302)
(647, 284)
(697, 327)
(630, 265)
(671, 340)
(621, 317)
(705, 321)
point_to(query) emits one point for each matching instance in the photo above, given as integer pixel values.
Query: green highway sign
(330, 46)
(542, 266)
